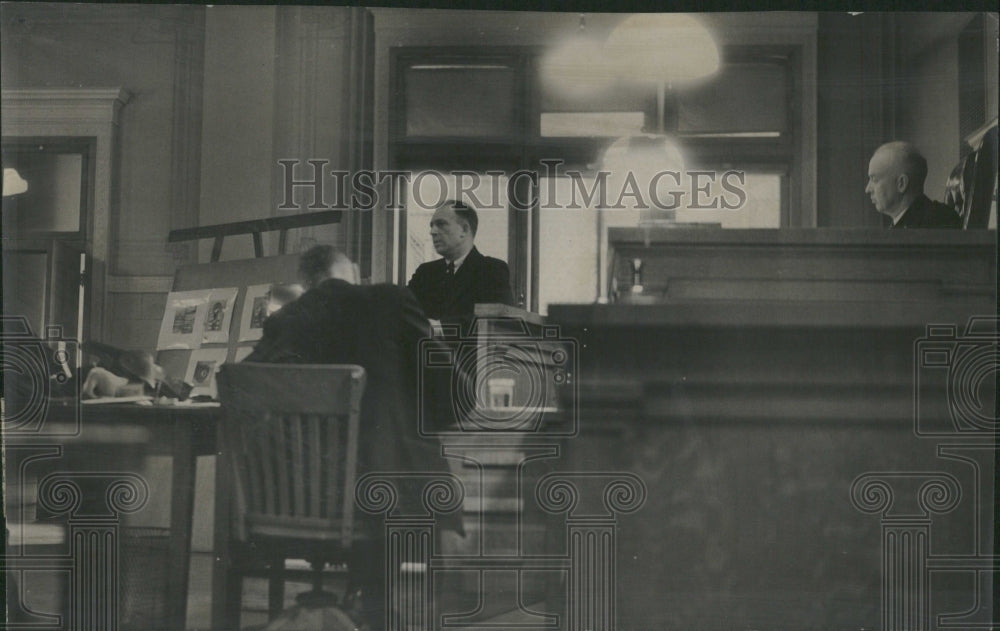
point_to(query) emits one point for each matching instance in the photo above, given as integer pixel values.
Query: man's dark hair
(464, 212)
(315, 263)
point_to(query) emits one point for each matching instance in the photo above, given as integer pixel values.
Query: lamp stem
(667, 108)
(661, 105)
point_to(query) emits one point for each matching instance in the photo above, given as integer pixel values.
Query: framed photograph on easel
(256, 308)
(183, 320)
(219, 315)
(202, 367)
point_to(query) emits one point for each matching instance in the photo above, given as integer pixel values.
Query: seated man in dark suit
(380, 328)
(896, 175)
(450, 287)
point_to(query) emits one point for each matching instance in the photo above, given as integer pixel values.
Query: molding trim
(48, 95)
(42, 105)
(80, 113)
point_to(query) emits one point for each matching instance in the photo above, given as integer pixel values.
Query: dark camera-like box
(955, 379)
(38, 371)
(507, 376)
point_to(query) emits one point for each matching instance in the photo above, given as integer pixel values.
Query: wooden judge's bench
(811, 414)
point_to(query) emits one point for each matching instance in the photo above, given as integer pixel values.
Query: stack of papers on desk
(107, 400)
(147, 400)
(196, 404)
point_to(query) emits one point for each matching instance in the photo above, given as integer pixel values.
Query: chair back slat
(254, 487)
(263, 437)
(331, 447)
(282, 461)
(298, 471)
(291, 434)
(264, 478)
(350, 476)
(314, 423)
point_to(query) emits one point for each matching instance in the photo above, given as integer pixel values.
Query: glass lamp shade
(662, 48)
(646, 176)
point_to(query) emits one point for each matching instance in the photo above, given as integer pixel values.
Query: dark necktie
(451, 269)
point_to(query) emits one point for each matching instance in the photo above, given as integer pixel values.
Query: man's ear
(902, 182)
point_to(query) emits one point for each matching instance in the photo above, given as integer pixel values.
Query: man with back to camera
(449, 288)
(380, 328)
(896, 175)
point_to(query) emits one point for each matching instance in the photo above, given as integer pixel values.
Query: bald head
(896, 175)
(906, 159)
(322, 262)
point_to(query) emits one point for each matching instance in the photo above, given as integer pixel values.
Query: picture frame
(202, 367)
(256, 305)
(183, 320)
(219, 315)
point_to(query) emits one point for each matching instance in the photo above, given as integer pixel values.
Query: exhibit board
(214, 315)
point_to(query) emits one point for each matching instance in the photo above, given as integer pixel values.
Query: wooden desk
(183, 433)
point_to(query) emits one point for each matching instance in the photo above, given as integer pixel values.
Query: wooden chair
(290, 434)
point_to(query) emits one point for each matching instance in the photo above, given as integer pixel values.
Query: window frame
(84, 146)
(781, 155)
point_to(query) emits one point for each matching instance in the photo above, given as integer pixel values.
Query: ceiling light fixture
(662, 47)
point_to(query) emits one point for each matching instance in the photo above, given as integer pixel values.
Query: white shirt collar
(896, 218)
(458, 262)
